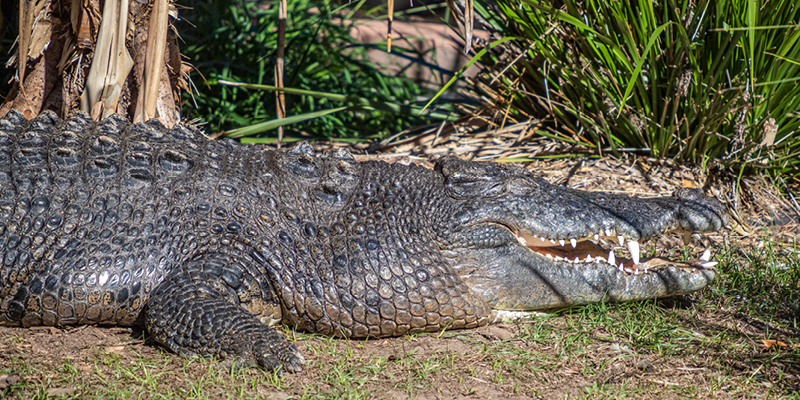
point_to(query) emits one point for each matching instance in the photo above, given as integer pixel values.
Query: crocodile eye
(303, 166)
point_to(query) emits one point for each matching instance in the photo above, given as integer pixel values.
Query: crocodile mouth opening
(586, 251)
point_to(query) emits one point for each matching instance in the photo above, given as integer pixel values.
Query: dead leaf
(768, 344)
(768, 133)
(7, 380)
(60, 391)
(114, 349)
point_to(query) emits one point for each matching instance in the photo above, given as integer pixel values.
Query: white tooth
(543, 239)
(633, 247)
(596, 237)
(573, 242)
(588, 258)
(636, 271)
(621, 240)
(609, 233)
(549, 255)
(577, 260)
(611, 259)
(709, 264)
(522, 240)
(561, 242)
(558, 258)
(620, 267)
(706, 255)
(645, 270)
(552, 241)
(687, 238)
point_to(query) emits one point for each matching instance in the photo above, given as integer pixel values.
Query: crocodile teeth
(573, 242)
(552, 241)
(561, 242)
(596, 237)
(706, 255)
(621, 240)
(611, 258)
(620, 267)
(588, 258)
(577, 260)
(609, 233)
(633, 247)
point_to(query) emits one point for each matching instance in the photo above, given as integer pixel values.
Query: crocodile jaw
(514, 277)
(518, 241)
(530, 273)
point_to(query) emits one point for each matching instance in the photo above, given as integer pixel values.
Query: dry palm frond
(41, 29)
(111, 63)
(35, 27)
(465, 20)
(85, 20)
(280, 103)
(389, 33)
(154, 61)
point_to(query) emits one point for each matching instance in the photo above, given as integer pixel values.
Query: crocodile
(208, 245)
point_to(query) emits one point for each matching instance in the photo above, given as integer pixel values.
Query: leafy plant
(697, 80)
(237, 42)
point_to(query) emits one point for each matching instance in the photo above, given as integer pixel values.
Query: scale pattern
(206, 243)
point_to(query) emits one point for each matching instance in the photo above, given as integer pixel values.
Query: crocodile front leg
(198, 310)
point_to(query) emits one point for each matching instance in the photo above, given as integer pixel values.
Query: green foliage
(238, 41)
(762, 282)
(690, 79)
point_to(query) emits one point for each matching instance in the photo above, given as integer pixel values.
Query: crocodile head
(522, 243)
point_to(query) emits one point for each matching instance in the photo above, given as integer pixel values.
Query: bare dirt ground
(703, 345)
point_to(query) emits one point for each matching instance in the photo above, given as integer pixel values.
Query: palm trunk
(120, 56)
